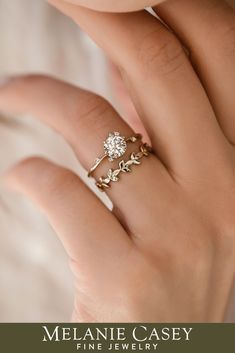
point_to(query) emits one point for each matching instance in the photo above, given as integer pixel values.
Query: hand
(116, 5)
(166, 252)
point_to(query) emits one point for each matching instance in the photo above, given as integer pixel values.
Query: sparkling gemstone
(115, 146)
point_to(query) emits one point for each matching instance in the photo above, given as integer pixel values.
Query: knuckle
(159, 54)
(92, 114)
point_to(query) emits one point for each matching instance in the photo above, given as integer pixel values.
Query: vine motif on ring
(124, 167)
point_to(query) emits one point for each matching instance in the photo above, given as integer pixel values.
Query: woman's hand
(166, 252)
(115, 5)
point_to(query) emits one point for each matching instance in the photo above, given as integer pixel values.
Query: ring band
(115, 146)
(124, 167)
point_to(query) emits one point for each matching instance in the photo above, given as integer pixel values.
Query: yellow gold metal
(124, 167)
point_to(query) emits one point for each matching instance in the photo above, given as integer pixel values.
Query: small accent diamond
(115, 146)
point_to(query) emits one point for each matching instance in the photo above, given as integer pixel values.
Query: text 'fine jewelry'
(115, 146)
(124, 167)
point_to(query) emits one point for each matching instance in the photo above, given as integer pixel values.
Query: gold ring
(124, 167)
(115, 146)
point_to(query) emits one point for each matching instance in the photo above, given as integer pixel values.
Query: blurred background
(35, 280)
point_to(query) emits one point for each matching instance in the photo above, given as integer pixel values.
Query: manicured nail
(4, 80)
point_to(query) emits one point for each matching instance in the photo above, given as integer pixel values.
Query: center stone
(115, 146)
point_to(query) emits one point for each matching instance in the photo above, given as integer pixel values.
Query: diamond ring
(115, 146)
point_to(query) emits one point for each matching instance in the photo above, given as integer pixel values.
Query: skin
(116, 5)
(166, 252)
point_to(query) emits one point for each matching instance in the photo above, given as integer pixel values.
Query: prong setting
(115, 146)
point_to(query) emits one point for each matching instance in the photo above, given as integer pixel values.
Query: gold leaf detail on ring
(124, 167)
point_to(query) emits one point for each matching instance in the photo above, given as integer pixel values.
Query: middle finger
(166, 91)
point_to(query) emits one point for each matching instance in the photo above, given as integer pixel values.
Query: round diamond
(115, 146)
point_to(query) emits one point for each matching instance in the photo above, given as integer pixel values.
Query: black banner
(66, 338)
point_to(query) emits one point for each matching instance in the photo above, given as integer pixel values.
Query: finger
(122, 94)
(85, 120)
(80, 116)
(115, 6)
(208, 29)
(67, 202)
(167, 93)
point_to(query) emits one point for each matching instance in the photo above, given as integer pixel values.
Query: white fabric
(35, 281)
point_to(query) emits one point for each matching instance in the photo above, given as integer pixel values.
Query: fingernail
(4, 80)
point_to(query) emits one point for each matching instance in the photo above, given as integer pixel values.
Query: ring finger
(85, 119)
(166, 91)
